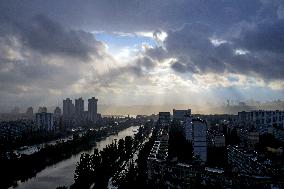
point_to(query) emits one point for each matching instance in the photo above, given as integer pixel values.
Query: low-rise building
(218, 140)
(278, 133)
(247, 162)
(170, 174)
(261, 119)
(253, 138)
(249, 138)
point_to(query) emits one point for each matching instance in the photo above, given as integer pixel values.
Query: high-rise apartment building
(68, 111)
(57, 112)
(68, 108)
(196, 132)
(57, 116)
(42, 110)
(79, 106)
(92, 105)
(45, 121)
(30, 112)
(92, 109)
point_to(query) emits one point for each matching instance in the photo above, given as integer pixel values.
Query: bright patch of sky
(217, 42)
(241, 52)
(118, 41)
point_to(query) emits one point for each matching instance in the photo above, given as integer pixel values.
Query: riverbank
(62, 173)
(111, 163)
(27, 166)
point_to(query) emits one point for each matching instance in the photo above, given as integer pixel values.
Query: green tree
(83, 172)
(128, 145)
(121, 148)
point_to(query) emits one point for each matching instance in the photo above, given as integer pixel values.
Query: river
(62, 173)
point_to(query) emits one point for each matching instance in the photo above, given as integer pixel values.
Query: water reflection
(62, 173)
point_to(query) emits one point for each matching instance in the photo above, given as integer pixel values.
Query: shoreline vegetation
(25, 167)
(115, 162)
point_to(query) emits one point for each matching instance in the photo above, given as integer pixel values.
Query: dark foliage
(25, 167)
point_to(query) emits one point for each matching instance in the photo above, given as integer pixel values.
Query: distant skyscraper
(30, 112)
(39, 110)
(45, 121)
(16, 110)
(79, 106)
(92, 106)
(57, 112)
(68, 108)
(92, 109)
(57, 116)
(42, 110)
(68, 111)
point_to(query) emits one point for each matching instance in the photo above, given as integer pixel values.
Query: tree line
(25, 167)
(95, 170)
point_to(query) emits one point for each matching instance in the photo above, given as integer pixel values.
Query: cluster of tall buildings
(75, 113)
(72, 114)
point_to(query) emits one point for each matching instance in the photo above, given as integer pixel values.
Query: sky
(131, 52)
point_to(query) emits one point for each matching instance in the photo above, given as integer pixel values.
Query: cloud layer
(48, 50)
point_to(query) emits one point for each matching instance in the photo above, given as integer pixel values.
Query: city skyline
(227, 107)
(168, 52)
(144, 94)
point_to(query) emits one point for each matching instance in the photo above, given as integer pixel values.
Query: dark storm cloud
(133, 15)
(31, 49)
(39, 56)
(138, 68)
(264, 36)
(43, 44)
(49, 37)
(257, 51)
(189, 43)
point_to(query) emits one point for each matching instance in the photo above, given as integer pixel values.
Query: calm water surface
(62, 173)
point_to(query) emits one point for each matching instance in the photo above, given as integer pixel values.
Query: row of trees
(136, 177)
(13, 138)
(25, 167)
(95, 170)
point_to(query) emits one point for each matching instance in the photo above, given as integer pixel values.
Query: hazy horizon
(222, 108)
